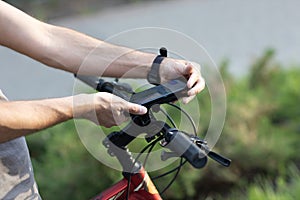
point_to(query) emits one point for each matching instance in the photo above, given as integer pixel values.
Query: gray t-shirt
(16, 174)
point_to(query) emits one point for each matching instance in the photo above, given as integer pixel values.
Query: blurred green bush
(261, 135)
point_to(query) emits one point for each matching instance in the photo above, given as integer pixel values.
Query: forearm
(76, 52)
(20, 118)
(67, 49)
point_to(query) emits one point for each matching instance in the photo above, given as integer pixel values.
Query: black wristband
(154, 76)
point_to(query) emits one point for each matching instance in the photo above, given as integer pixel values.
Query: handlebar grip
(98, 84)
(89, 80)
(220, 159)
(181, 144)
(122, 90)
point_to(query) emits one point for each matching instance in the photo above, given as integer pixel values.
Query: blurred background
(256, 45)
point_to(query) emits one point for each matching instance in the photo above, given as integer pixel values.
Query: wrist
(82, 106)
(145, 64)
(136, 65)
(154, 76)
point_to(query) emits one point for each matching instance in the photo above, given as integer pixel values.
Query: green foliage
(63, 167)
(261, 136)
(261, 133)
(281, 188)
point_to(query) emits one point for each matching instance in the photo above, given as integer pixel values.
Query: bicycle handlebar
(191, 148)
(121, 90)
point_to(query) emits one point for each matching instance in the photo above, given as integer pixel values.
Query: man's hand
(105, 109)
(171, 68)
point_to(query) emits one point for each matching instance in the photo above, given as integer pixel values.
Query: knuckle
(133, 108)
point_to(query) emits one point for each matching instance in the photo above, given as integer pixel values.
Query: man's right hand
(105, 109)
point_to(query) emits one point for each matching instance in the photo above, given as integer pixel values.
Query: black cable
(187, 115)
(128, 187)
(149, 151)
(151, 145)
(169, 118)
(180, 165)
(169, 172)
(178, 168)
(181, 160)
(130, 174)
(175, 176)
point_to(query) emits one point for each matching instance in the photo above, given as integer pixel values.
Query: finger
(192, 80)
(186, 100)
(188, 69)
(198, 87)
(136, 109)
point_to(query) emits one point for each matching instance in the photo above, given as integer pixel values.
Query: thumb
(136, 109)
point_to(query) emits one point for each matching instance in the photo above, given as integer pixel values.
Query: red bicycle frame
(141, 187)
